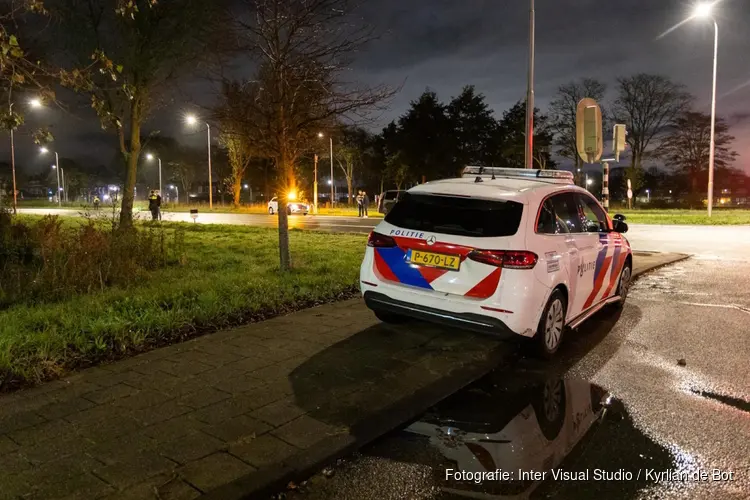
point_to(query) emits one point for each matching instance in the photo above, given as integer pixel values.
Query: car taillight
(377, 240)
(509, 259)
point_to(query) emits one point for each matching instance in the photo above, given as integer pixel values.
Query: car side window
(593, 218)
(566, 213)
(546, 223)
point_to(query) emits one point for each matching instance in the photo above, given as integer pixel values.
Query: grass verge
(685, 217)
(230, 276)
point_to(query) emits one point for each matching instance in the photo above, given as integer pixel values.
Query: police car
(501, 251)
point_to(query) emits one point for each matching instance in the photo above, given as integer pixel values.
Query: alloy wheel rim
(625, 282)
(552, 400)
(554, 325)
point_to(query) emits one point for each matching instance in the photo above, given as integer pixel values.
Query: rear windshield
(456, 216)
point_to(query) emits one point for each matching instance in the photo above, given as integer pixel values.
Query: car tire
(270, 211)
(623, 284)
(549, 405)
(549, 332)
(390, 318)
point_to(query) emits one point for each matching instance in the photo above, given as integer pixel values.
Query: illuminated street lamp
(330, 140)
(192, 121)
(34, 103)
(177, 192)
(705, 11)
(44, 150)
(150, 157)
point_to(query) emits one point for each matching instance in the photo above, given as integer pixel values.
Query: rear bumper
(467, 321)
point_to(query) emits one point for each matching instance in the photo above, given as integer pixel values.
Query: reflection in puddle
(500, 438)
(506, 443)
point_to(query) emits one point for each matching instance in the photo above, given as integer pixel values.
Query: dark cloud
(446, 44)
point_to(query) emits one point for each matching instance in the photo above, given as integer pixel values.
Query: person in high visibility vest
(154, 204)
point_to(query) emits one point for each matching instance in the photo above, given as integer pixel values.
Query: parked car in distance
(292, 207)
(389, 198)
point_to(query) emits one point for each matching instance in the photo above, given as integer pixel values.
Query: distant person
(97, 202)
(365, 204)
(154, 205)
(359, 203)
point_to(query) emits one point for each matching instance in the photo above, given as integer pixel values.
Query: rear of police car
(454, 252)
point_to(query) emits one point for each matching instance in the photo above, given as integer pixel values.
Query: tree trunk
(236, 189)
(349, 187)
(285, 259)
(128, 195)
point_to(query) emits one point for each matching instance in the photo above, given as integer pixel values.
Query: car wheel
(549, 406)
(623, 286)
(270, 211)
(549, 332)
(391, 318)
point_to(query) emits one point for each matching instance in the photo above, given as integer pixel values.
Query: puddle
(506, 436)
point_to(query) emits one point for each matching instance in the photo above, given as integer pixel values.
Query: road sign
(619, 141)
(589, 130)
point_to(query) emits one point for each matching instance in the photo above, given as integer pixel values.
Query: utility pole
(210, 187)
(333, 197)
(529, 157)
(315, 188)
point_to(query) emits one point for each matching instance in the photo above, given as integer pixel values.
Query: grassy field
(699, 217)
(230, 276)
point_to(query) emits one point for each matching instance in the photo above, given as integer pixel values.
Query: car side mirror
(619, 217)
(619, 226)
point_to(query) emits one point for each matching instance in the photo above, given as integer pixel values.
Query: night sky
(446, 44)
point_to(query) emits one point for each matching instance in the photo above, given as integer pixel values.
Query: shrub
(48, 261)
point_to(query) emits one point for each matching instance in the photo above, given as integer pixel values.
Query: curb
(266, 482)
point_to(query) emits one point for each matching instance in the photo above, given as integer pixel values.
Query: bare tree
(647, 105)
(127, 55)
(235, 110)
(563, 114)
(303, 49)
(689, 143)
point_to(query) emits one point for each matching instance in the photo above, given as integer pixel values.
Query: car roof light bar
(561, 176)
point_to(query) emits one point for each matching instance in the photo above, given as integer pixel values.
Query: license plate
(452, 262)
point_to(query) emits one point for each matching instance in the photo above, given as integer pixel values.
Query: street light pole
(160, 191)
(13, 162)
(210, 186)
(529, 156)
(713, 124)
(57, 167)
(332, 184)
(315, 187)
(13, 170)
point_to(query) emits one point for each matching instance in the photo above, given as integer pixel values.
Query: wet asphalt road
(618, 400)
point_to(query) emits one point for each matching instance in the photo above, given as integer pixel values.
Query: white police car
(503, 251)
